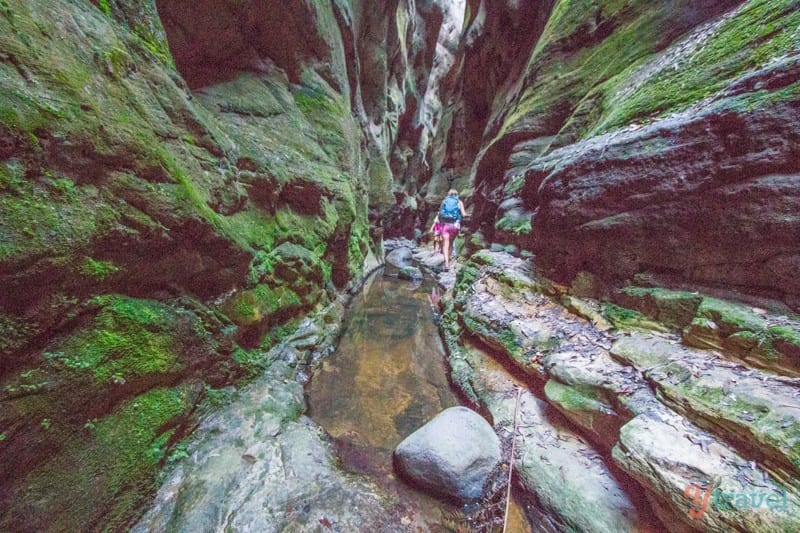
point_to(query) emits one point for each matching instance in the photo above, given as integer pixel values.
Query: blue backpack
(450, 211)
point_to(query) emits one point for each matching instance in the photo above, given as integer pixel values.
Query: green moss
(128, 339)
(252, 362)
(104, 7)
(482, 257)
(502, 338)
(624, 318)
(585, 79)
(514, 185)
(262, 265)
(673, 308)
(568, 65)
(36, 221)
(278, 333)
(357, 248)
(252, 229)
(99, 270)
(458, 358)
(12, 176)
(327, 113)
(515, 222)
(731, 317)
(256, 230)
(155, 44)
(787, 334)
(271, 300)
(575, 398)
(465, 279)
(117, 62)
(745, 340)
(15, 332)
(105, 471)
(314, 102)
(761, 31)
(6, 11)
(252, 306)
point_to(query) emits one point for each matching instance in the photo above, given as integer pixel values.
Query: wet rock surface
(679, 422)
(260, 465)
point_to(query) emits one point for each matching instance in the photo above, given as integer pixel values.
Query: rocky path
(711, 442)
(260, 464)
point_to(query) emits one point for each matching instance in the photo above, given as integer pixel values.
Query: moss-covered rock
(674, 308)
(583, 407)
(623, 318)
(117, 180)
(756, 410)
(103, 469)
(747, 333)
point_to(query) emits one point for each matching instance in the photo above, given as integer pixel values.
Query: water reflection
(387, 377)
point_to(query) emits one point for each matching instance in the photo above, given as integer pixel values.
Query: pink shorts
(437, 228)
(449, 230)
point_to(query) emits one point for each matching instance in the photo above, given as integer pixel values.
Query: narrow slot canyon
(224, 307)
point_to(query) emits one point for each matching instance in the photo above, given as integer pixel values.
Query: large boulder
(452, 455)
(400, 257)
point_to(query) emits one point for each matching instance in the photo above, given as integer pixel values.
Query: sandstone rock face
(709, 439)
(180, 182)
(608, 140)
(452, 455)
(705, 221)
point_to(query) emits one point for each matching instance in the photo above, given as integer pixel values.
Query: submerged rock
(452, 455)
(410, 273)
(400, 257)
(259, 465)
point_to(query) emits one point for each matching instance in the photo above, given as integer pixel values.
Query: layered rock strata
(682, 423)
(639, 138)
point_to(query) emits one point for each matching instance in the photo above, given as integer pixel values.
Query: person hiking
(436, 231)
(451, 213)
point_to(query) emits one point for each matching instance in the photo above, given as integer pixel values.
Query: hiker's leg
(446, 248)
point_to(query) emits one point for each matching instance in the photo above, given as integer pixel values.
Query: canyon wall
(647, 141)
(181, 182)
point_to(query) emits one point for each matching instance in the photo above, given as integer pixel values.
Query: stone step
(757, 411)
(621, 388)
(575, 488)
(695, 482)
(762, 339)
